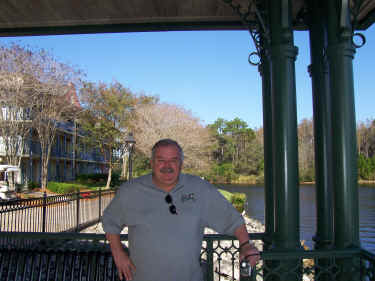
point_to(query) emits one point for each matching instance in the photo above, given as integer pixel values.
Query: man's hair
(167, 142)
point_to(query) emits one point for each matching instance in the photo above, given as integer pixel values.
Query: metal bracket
(362, 38)
(354, 11)
(257, 30)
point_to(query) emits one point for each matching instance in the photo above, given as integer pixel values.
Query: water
(255, 209)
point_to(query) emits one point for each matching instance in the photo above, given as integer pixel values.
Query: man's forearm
(247, 250)
(115, 243)
(241, 234)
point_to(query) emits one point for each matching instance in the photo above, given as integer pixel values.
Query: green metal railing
(85, 257)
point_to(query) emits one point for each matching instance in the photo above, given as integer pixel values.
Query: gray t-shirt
(163, 246)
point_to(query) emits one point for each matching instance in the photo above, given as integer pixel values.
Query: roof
(42, 17)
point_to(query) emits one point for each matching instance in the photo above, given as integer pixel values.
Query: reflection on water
(255, 208)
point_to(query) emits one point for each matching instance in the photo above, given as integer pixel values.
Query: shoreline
(362, 182)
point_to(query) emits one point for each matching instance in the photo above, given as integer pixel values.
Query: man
(166, 213)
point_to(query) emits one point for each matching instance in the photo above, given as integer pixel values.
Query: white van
(8, 179)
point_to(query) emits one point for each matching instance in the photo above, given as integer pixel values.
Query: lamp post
(130, 142)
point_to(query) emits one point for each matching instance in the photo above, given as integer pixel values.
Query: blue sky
(206, 72)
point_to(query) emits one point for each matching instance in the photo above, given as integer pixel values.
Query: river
(255, 209)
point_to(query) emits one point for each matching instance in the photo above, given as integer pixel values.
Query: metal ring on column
(362, 37)
(252, 61)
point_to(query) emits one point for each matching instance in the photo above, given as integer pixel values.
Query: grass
(228, 195)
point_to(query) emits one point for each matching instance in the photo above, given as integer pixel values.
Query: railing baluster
(100, 203)
(77, 214)
(210, 260)
(44, 211)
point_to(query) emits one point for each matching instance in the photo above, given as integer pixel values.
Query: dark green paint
(340, 53)
(322, 125)
(265, 70)
(284, 125)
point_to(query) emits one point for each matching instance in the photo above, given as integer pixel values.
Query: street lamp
(130, 142)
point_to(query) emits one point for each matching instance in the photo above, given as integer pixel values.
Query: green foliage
(238, 150)
(226, 194)
(307, 175)
(92, 178)
(366, 167)
(260, 178)
(222, 173)
(107, 115)
(237, 199)
(115, 180)
(62, 187)
(141, 164)
(33, 185)
(98, 179)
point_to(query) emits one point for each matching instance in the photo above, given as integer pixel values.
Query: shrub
(91, 178)
(99, 179)
(33, 185)
(238, 200)
(115, 180)
(63, 187)
(82, 178)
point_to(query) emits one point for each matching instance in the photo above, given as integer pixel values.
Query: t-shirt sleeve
(114, 219)
(219, 213)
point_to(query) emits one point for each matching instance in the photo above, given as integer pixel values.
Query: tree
(366, 138)
(157, 121)
(216, 130)
(14, 116)
(237, 144)
(45, 94)
(306, 150)
(16, 90)
(108, 110)
(50, 110)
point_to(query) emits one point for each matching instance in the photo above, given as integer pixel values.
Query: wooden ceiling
(42, 17)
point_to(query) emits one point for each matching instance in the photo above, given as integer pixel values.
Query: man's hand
(124, 264)
(250, 253)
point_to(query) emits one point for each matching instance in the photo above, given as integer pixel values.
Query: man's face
(166, 167)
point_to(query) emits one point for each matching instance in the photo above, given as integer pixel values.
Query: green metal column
(269, 216)
(322, 125)
(265, 72)
(340, 53)
(284, 124)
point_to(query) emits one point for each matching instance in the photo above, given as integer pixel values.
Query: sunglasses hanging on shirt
(172, 207)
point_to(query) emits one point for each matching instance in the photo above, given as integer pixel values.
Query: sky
(205, 72)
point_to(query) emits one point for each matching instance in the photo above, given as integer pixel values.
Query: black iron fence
(85, 257)
(57, 213)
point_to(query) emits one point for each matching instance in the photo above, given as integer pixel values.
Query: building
(69, 155)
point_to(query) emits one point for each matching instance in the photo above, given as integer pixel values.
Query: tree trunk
(109, 177)
(124, 167)
(44, 175)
